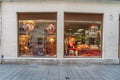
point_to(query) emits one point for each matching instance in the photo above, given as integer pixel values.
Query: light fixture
(70, 29)
(76, 33)
(51, 40)
(79, 30)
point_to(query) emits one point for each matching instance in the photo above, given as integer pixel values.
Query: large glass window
(37, 34)
(82, 35)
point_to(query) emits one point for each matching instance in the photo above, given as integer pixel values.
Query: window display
(82, 35)
(37, 34)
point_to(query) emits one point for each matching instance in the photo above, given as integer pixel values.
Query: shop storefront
(82, 34)
(87, 31)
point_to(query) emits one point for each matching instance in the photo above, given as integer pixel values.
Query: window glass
(82, 35)
(37, 34)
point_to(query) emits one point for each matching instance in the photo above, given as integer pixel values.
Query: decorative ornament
(50, 28)
(28, 26)
(51, 39)
(92, 26)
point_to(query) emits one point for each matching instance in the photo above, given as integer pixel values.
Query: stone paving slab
(59, 72)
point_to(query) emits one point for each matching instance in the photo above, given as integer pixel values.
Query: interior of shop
(37, 34)
(82, 35)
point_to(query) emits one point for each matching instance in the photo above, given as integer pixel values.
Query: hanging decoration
(28, 25)
(50, 28)
(92, 26)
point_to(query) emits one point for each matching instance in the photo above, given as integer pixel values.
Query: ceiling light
(79, 30)
(70, 29)
(76, 33)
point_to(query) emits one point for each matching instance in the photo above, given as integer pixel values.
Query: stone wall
(0, 30)
(58, 61)
(110, 26)
(0, 25)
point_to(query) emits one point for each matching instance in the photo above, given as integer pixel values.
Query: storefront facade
(69, 31)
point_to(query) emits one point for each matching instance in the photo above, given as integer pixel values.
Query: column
(60, 34)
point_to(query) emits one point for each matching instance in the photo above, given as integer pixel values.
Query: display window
(37, 34)
(82, 35)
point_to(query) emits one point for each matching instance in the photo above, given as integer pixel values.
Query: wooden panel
(37, 16)
(83, 16)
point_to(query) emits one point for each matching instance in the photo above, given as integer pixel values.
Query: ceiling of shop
(37, 16)
(68, 16)
(83, 16)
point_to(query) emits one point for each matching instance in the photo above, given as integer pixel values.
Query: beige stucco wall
(110, 24)
(0, 26)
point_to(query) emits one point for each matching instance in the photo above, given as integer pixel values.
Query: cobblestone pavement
(59, 72)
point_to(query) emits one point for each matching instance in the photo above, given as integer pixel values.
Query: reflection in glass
(82, 34)
(37, 37)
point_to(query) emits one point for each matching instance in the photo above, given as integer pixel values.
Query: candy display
(83, 41)
(50, 28)
(28, 25)
(37, 34)
(35, 41)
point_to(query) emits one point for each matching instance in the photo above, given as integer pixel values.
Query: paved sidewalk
(59, 72)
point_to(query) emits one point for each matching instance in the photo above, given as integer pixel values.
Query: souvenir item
(29, 26)
(50, 28)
